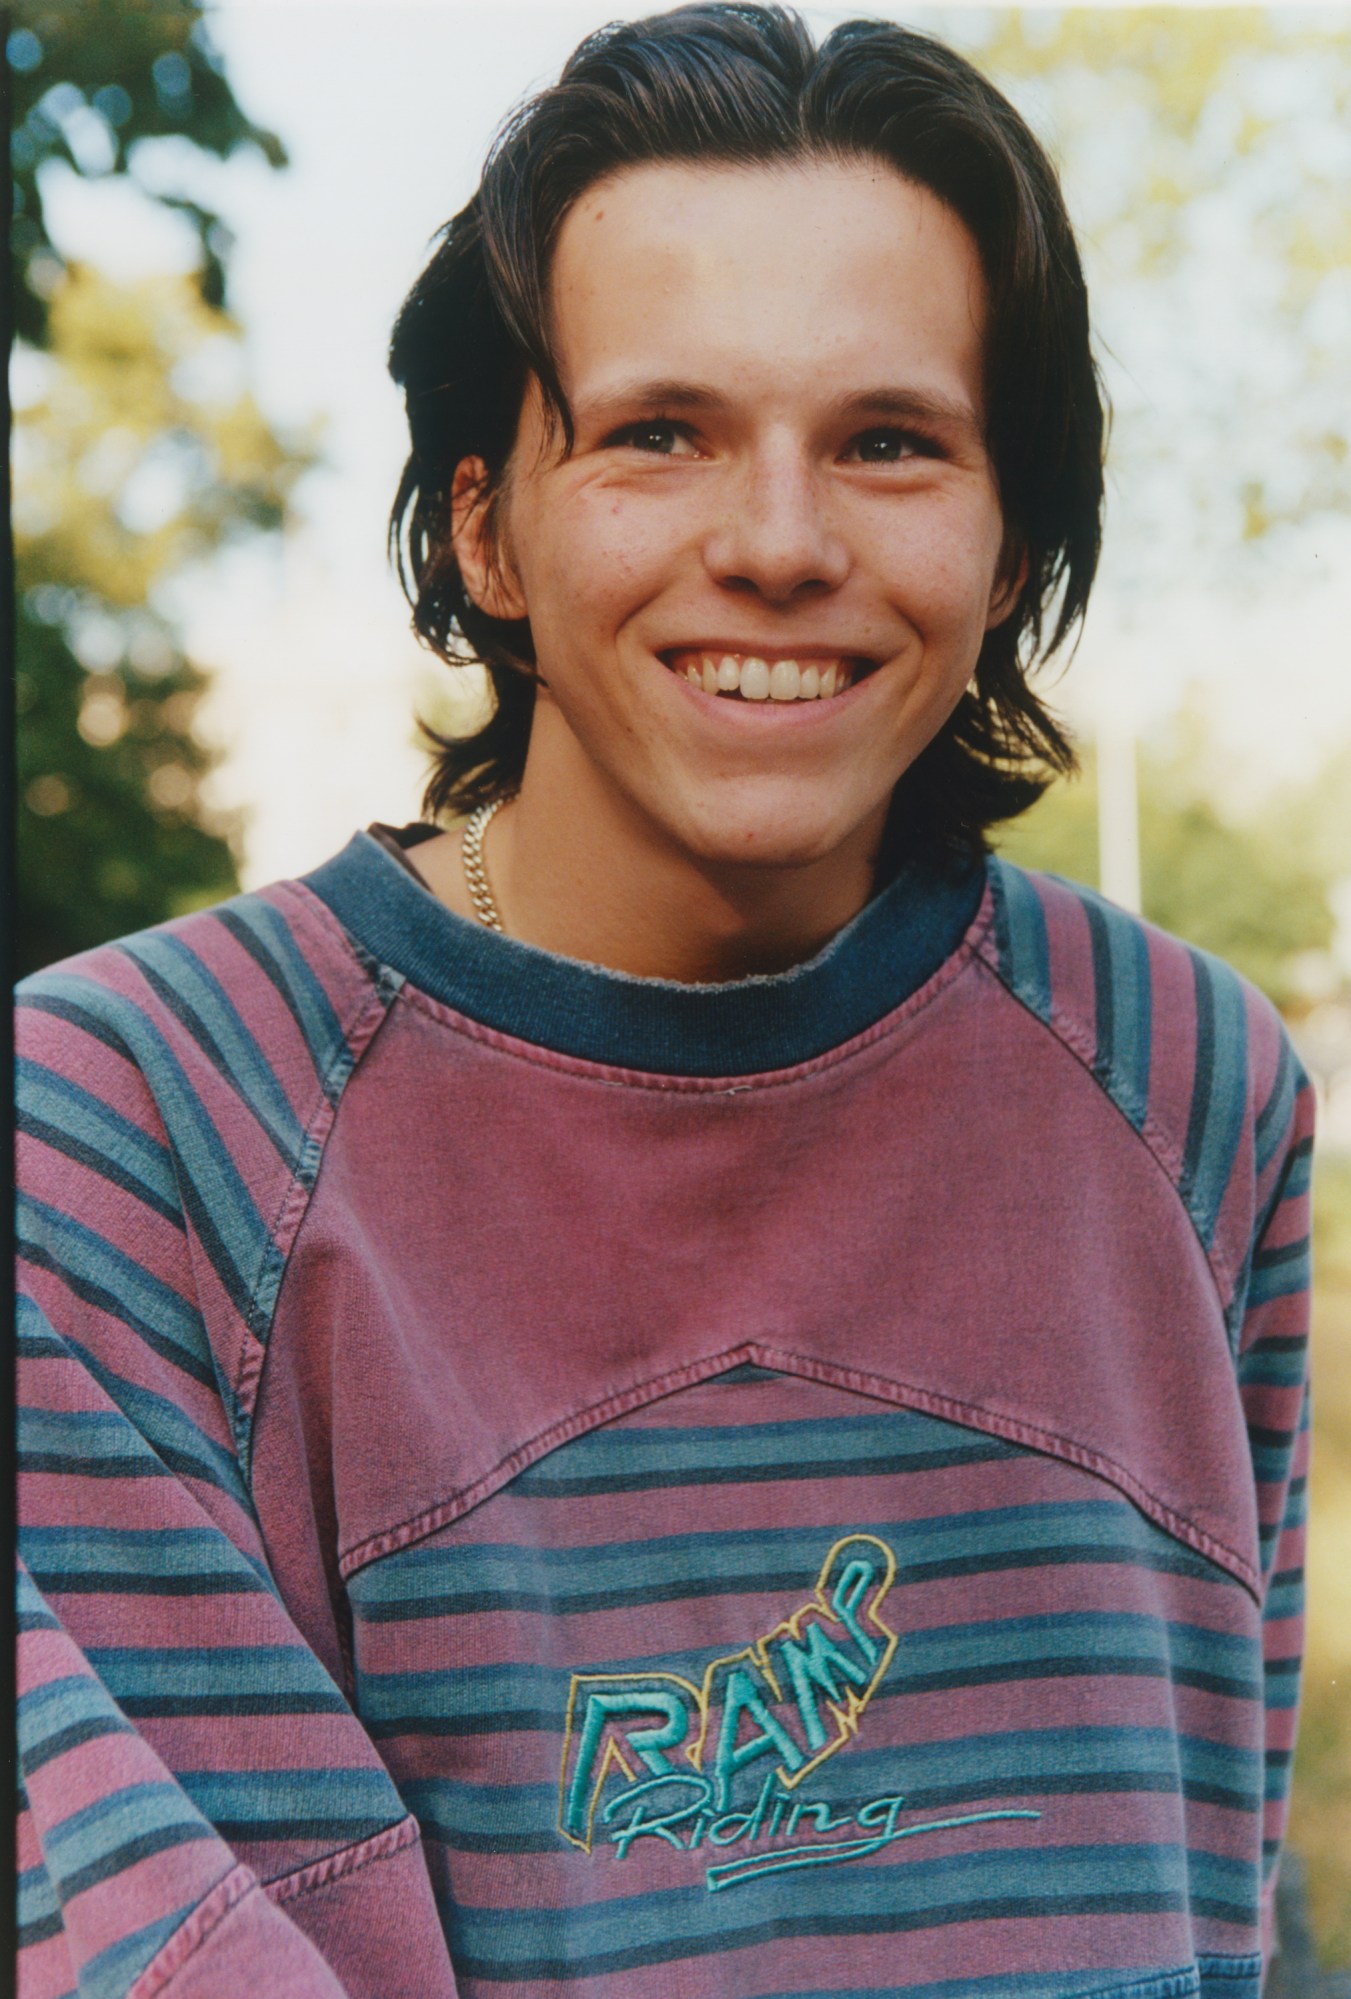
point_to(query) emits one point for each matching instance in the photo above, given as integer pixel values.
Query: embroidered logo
(655, 1756)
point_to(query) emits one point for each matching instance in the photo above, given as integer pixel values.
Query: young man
(742, 1435)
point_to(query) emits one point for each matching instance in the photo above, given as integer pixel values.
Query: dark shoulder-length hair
(745, 85)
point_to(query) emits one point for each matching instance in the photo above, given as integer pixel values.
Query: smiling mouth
(741, 676)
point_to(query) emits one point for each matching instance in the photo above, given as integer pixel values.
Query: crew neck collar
(890, 949)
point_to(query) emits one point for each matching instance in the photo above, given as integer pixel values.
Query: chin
(781, 840)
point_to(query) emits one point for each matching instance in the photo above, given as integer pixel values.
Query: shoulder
(261, 993)
(1194, 1057)
(175, 1090)
(201, 1057)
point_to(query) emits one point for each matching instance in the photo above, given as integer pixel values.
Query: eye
(658, 436)
(885, 446)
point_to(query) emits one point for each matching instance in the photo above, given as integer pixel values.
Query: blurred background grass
(215, 677)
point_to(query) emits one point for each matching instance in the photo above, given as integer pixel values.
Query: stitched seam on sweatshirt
(285, 1225)
(199, 1924)
(879, 1387)
(348, 1860)
(1183, 1984)
(1230, 1967)
(615, 1076)
(1065, 1031)
(356, 1034)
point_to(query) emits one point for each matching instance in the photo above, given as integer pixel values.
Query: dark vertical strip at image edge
(8, 820)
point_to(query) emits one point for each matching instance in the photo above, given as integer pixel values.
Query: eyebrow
(910, 406)
(897, 405)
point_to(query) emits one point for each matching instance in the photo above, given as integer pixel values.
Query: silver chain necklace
(475, 874)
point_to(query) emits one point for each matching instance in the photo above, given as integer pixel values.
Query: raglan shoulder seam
(358, 1029)
(1119, 950)
(1151, 1136)
(239, 1027)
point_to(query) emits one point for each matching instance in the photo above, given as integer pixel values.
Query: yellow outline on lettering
(612, 1752)
(846, 1716)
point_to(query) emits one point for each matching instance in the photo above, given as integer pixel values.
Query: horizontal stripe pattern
(124, 1855)
(1064, 1645)
(472, 1579)
(175, 1092)
(624, 1460)
(1088, 1723)
(1161, 1669)
(1050, 1887)
(1233, 1128)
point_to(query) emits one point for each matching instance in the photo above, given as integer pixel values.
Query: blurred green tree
(90, 84)
(141, 456)
(138, 452)
(1205, 154)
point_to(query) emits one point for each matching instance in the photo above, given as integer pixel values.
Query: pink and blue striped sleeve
(196, 1795)
(1270, 1326)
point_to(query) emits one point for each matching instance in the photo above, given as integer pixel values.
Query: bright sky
(386, 109)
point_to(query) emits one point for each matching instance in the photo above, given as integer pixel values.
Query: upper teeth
(756, 680)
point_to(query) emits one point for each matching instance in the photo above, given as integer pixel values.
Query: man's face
(776, 380)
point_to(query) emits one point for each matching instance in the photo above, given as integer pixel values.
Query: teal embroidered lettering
(812, 1808)
(667, 1793)
(742, 1700)
(819, 1664)
(675, 1810)
(830, 1853)
(653, 1756)
(626, 1720)
(735, 1826)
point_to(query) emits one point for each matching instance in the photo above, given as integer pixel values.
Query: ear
(488, 578)
(1009, 579)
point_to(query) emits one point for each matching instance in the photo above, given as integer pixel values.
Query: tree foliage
(1206, 154)
(141, 456)
(94, 83)
(138, 453)
(145, 451)
(111, 835)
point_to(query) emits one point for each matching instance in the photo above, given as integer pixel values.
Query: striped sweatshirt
(541, 1482)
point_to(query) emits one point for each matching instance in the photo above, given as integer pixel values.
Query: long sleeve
(198, 1801)
(1200, 1065)
(1271, 1330)
(124, 1884)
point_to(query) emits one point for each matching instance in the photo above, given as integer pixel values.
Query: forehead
(805, 275)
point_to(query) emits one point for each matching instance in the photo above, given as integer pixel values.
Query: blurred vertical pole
(1118, 808)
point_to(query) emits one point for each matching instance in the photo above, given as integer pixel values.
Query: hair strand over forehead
(745, 85)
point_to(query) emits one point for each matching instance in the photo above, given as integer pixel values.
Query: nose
(775, 538)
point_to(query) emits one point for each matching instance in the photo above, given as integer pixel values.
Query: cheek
(598, 556)
(938, 564)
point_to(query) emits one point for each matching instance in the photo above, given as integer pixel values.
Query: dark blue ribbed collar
(895, 943)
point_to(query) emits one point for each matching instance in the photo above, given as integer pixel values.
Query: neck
(588, 877)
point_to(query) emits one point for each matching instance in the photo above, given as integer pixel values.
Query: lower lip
(786, 714)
